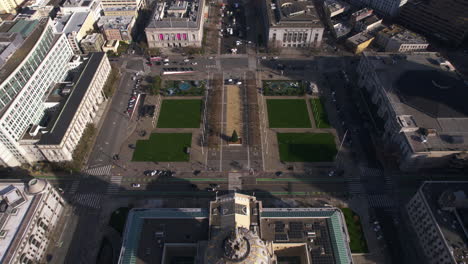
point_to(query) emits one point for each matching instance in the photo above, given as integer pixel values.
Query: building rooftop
(403, 35)
(62, 118)
(361, 37)
(15, 215)
(177, 14)
(292, 13)
(427, 89)
(90, 38)
(121, 8)
(205, 234)
(335, 5)
(77, 3)
(115, 22)
(448, 203)
(32, 35)
(75, 23)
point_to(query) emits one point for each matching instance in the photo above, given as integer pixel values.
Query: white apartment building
(438, 213)
(75, 26)
(28, 216)
(25, 79)
(72, 106)
(384, 7)
(176, 24)
(421, 101)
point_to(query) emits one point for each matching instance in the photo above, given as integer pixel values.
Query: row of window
(173, 37)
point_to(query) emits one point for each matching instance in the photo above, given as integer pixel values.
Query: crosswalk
(370, 172)
(99, 171)
(74, 187)
(114, 184)
(380, 201)
(354, 184)
(211, 66)
(91, 200)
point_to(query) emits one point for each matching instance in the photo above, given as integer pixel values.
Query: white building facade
(23, 87)
(385, 7)
(31, 214)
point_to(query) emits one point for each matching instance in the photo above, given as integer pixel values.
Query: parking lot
(233, 28)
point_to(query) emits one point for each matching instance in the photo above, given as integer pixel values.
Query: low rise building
(70, 107)
(111, 45)
(75, 27)
(176, 24)
(121, 11)
(29, 214)
(138, 4)
(360, 14)
(367, 23)
(292, 24)
(117, 27)
(359, 42)
(438, 214)
(421, 100)
(235, 229)
(398, 39)
(92, 43)
(335, 7)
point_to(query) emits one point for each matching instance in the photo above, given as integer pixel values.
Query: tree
(234, 137)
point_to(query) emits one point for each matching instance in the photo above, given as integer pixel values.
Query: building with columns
(176, 24)
(26, 77)
(292, 24)
(71, 107)
(29, 214)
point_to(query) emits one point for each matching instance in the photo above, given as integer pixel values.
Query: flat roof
(450, 223)
(15, 224)
(422, 86)
(291, 13)
(70, 106)
(76, 22)
(115, 22)
(162, 19)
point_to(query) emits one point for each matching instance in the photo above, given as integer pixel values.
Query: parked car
(136, 185)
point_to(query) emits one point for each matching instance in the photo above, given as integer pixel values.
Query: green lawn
(118, 219)
(288, 113)
(306, 147)
(358, 242)
(163, 147)
(180, 114)
(320, 115)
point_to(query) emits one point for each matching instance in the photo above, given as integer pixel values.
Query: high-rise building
(29, 213)
(438, 214)
(25, 79)
(446, 20)
(384, 7)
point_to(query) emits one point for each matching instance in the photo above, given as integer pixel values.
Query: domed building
(235, 229)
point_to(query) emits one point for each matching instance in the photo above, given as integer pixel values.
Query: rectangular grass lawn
(357, 242)
(320, 115)
(306, 147)
(180, 114)
(163, 147)
(288, 113)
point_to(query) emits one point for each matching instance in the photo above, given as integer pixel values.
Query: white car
(194, 63)
(166, 60)
(186, 60)
(136, 185)
(166, 63)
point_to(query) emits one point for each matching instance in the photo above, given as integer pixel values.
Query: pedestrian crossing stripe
(99, 171)
(91, 200)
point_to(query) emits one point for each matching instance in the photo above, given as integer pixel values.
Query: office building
(28, 216)
(138, 4)
(438, 214)
(25, 79)
(235, 229)
(71, 106)
(398, 39)
(333, 8)
(421, 100)
(79, 6)
(445, 20)
(121, 11)
(384, 7)
(292, 24)
(75, 27)
(117, 27)
(176, 24)
(9, 6)
(92, 43)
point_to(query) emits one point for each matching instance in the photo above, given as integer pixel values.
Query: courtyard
(306, 147)
(288, 113)
(180, 114)
(167, 147)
